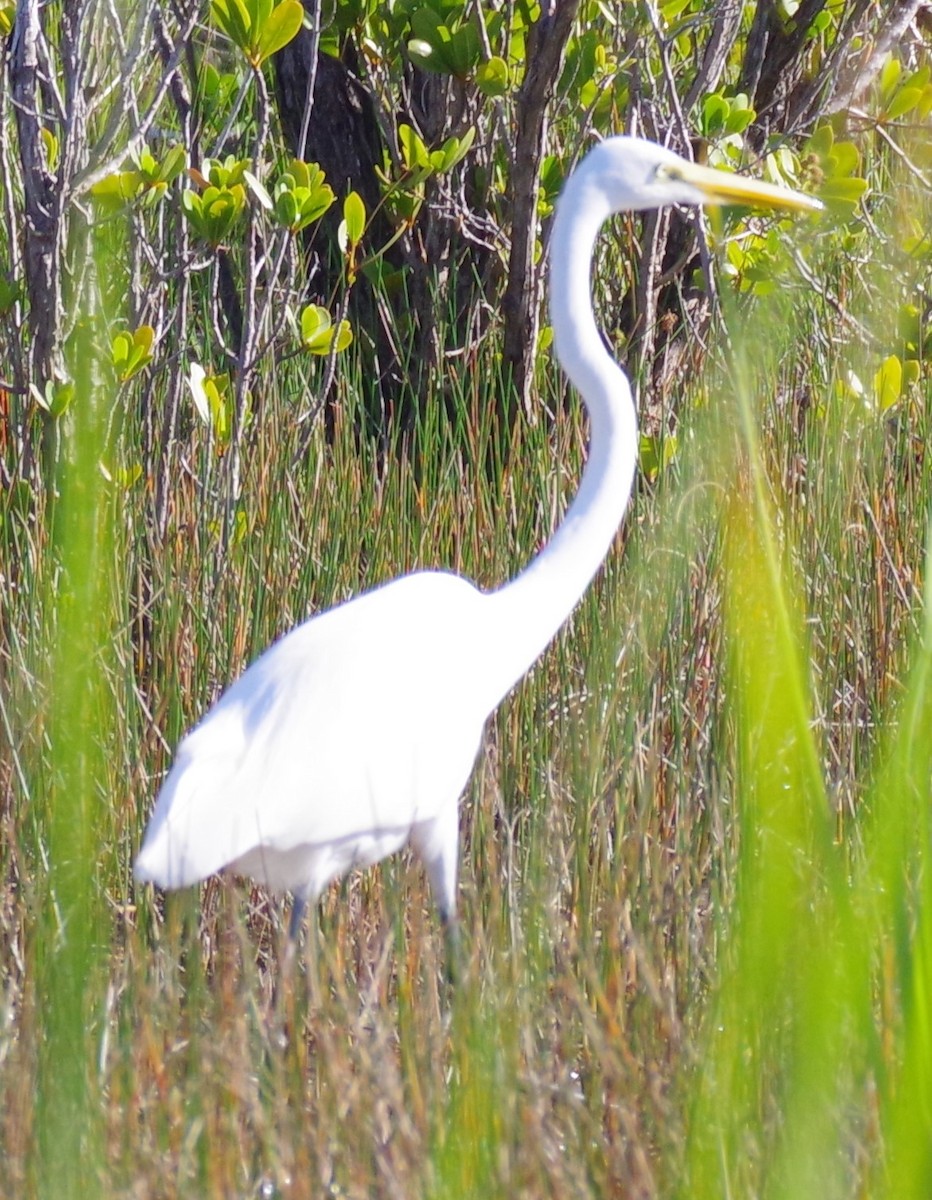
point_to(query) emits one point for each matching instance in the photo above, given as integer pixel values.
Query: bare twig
(546, 45)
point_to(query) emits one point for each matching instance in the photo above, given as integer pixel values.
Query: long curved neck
(530, 609)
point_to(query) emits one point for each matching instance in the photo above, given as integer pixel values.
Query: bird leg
(453, 945)
(282, 1017)
(297, 916)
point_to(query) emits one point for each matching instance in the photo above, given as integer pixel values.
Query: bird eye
(667, 173)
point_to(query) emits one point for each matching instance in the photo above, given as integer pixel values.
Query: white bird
(356, 733)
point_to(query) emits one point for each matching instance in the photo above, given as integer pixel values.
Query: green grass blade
(70, 933)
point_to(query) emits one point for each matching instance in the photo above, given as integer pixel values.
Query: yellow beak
(721, 187)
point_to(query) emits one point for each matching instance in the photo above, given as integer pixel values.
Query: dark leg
(283, 1016)
(297, 916)
(454, 948)
(294, 932)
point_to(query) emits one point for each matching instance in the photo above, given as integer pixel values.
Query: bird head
(633, 174)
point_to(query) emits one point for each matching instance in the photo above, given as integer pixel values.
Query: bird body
(356, 732)
(261, 788)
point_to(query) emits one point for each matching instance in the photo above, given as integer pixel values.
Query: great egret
(357, 731)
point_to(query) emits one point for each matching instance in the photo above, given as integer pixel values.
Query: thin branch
(85, 180)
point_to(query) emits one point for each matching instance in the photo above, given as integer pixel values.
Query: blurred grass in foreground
(68, 934)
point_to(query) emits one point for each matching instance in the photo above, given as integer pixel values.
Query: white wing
(360, 720)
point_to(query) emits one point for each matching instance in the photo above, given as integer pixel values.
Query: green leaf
(844, 158)
(821, 141)
(888, 383)
(413, 151)
(114, 191)
(302, 196)
(740, 114)
(655, 453)
(715, 111)
(131, 352)
(260, 11)
(281, 26)
(354, 217)
(343, 336)
(316, 329)
(259, 28)
(257, 189)
(55, 399)
(465, 51)
(172, 164)
(842, 194)
(670, 10)
(10, 293)
(225, 172)
(492, 77)
(403, 204)
(50, 142)
(455, 149)
(312, 204)
(213, 402)
(62, 396)
(214, 213)
(318, 335)
(286, 209)
(905, 100)
(424, 46)
(233, 19)
(890, 77)
(196, 377)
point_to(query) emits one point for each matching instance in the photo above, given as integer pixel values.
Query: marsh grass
(694, 891)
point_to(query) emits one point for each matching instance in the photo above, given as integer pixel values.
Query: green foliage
(132, 352)
(655, 454)
(350, 232)
(148, 181)
(260, 28)
(403, 196)
(7, 15)
(750, 259)
(318, 335)
(51, 148)
(492, 77)
(725, 117)
(354, 221)
(55, 398)
(598, 74)
(213, 402)
(894, 379)
(904, 93)
(214, 212)
(222, 173)
(836, 162)
(301, 196)
(447, 41)
(218, 89)
(420, 163)
(10, 293)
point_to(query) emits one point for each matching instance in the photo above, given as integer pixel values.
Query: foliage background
(694, 884)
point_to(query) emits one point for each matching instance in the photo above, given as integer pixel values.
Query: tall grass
(694, 888)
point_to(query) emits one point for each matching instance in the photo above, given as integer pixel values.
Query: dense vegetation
(247, 371)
